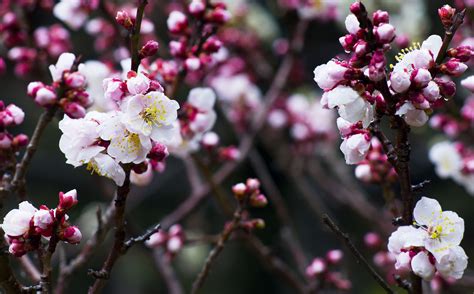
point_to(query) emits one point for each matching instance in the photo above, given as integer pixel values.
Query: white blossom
(17, 221)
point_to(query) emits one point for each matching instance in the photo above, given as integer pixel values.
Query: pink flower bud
(45, 97)
(113, 89)
(334, 256)
(197, 7)
(220, 15)
(177, 48)
(149, 49)
(177, 22)
(363, 172)
(258, 201)
(43, 219)
(384, 33)
(176, 230)
(174, 244)
(74, 110)
(157, 239)
(17, 248)
(210, 140)
(75, 80)
(212, 45)
(317, 266)
(447, 88)
(372, 240)
(239, 190)
(463, 53)
(124, 19)
(192, 63)
(16, 113)
(357, 8)
(20, 140)
(138, 84)
(253, 184)
(231, 153)
(33, 88)
(400, 81)
(68, 200)
(446, 14)
(421, 77)
(5, 140)
(453, 67)
(72, 235)
(158, 153)
(380, 17)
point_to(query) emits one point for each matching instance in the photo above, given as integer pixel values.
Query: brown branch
(275, 265)
(104, 225)
(30, 269)
(167, 272)
(135, 36)
(287, 232)
(140, 239)
(359, 257)
(119, 238)
(449, 34)
(225, 235)
(18, 182)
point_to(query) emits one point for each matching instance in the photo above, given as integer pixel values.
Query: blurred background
(237, 270)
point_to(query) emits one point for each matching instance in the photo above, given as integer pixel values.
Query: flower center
(400, 55)
(435, 232)
(92, 166)
(154, 113)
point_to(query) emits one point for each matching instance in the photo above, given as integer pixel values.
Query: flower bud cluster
(26, 226)
(375, 168)
(171, 241)
(10, 116)
(208, 17)
(323, 270)
(249, 192)
(67, 90)
(296, 115)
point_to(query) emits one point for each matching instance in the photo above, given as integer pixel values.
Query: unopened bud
(446, 14)
(149, 49)
(258, 201)
(67, 200)
(124, 19)
(72, 235)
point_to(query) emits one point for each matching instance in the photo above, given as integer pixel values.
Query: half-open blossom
(64, 63)
(17, 221)
(446, 158)
(203, 100)
(351, 106)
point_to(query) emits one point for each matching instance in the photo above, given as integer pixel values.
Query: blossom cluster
(359, 86)
(322, 269)
(10, 116)
(431, 244)
(454, 160)
(26, 226)
(138, 132)
(297, 113)
(171, 241)
(375, 168)
(67, 90)
(207, 17)
(250, 192)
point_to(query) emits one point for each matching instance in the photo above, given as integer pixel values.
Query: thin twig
(166, 270)
(225, 235)
(135, 35)
(140, 239)
(119, 238)
(30, 269)
(359, 257)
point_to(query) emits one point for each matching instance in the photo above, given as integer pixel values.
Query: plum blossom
(64, 63)
(203, 100)
(106, 166)
(432, 243)
(80, 139)
(72, 12)
(351, 106)
(355, 148)
(413, 116)
(17, 221)
(151, 114)
(446, 158)
(125, 146)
